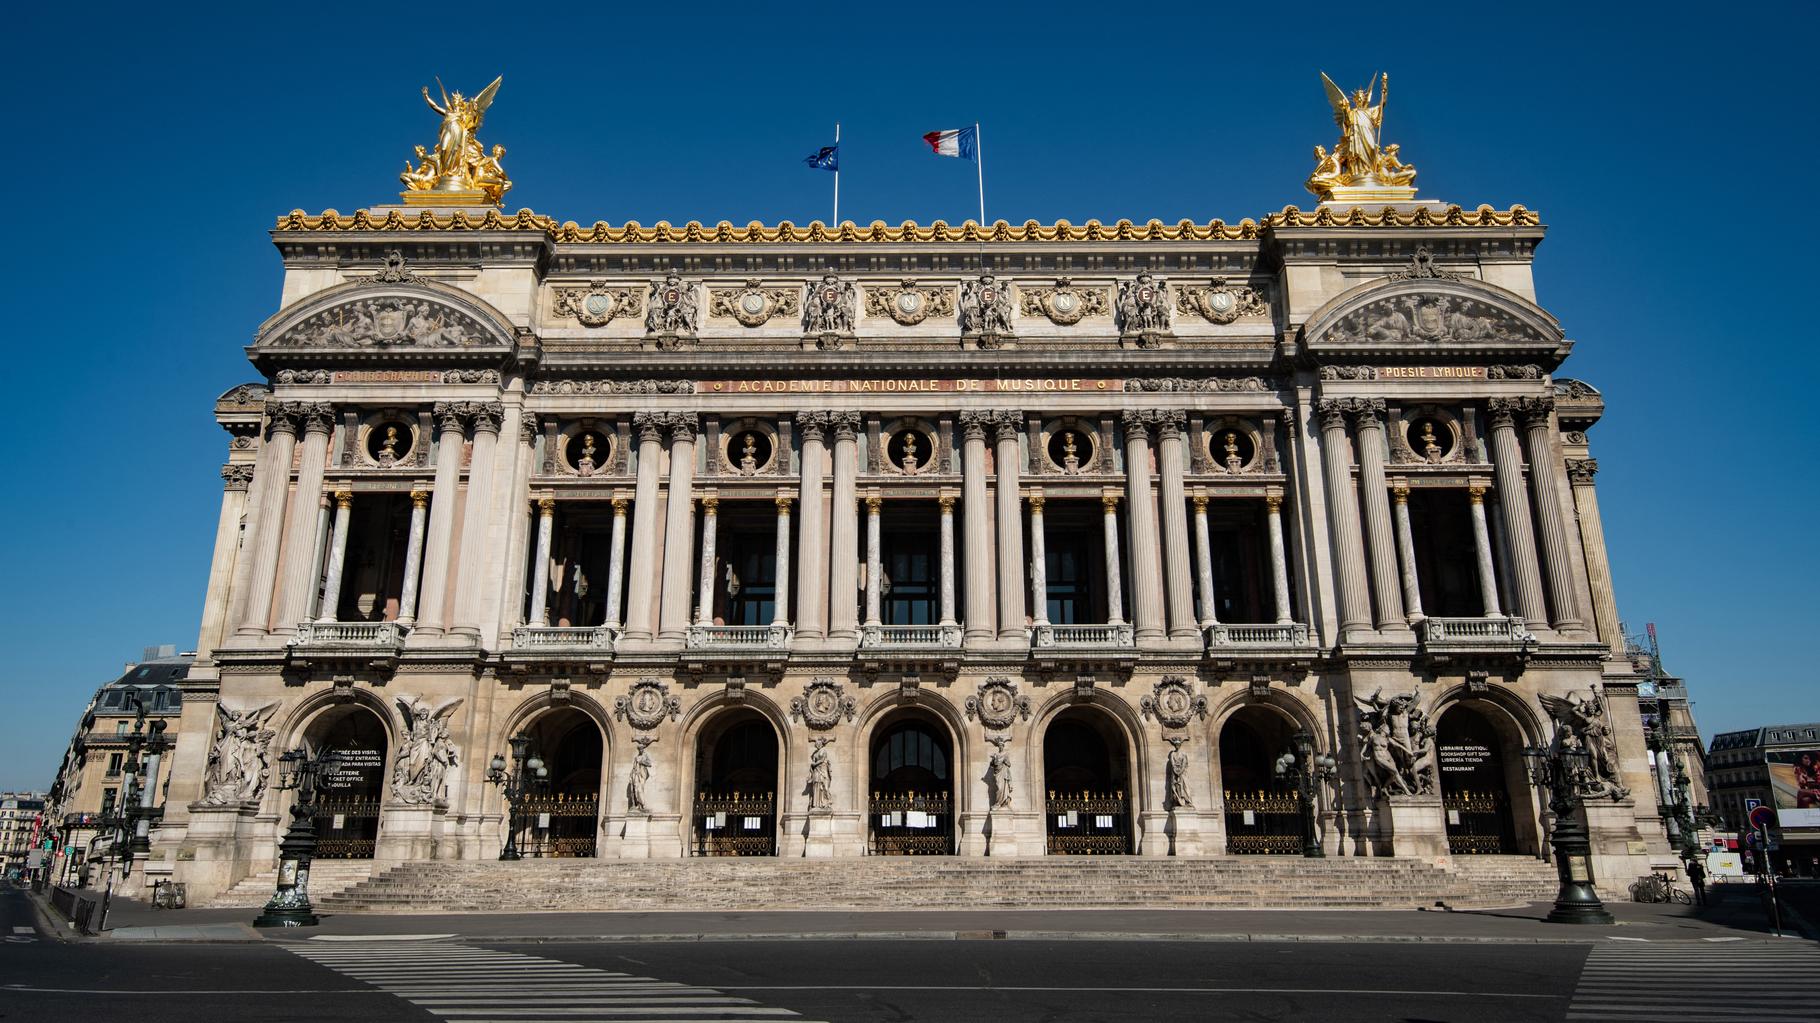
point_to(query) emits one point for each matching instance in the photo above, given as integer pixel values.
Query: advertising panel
(1794, 777)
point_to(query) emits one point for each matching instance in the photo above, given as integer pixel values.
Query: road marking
(381, 937)
(1399, 993)
(474, 985)
(23, 930)
(1691, 981)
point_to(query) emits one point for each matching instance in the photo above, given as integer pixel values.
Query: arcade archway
(1087, 778)
(1263, 811)
(561, 816)
(1480, 754)
(736, 786)
(912, 784)
(349, 795)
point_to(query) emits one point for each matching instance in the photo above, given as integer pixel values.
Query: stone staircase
(327, 877)
(885, 882)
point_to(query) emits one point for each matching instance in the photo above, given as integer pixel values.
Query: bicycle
(1658, 888)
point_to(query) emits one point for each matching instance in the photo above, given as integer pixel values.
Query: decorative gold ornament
(460, 172)
(1360, 168)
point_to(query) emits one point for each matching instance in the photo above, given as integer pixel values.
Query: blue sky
(1671, 151)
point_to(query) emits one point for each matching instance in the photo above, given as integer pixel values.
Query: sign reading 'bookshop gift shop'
(913, 385)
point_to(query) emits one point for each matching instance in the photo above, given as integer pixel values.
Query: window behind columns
(910, 554)
(373, 573)
(1075, 561)
(1238, 539)
(1447, 562)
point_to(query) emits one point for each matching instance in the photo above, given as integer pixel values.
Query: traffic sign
(1761, 817)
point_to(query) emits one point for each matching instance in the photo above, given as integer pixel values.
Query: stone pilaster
(1580, 472)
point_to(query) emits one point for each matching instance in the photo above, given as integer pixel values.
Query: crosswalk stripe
(464, 984)
(1655, 981)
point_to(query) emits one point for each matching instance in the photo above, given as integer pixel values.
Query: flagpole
(979, 164)
(836, 175)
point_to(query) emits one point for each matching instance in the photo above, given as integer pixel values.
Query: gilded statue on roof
(1361, 166)
(459, 163)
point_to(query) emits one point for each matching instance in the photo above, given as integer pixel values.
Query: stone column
(874, 566)
(1178, 569)
(780, 612)
(843, 532)
(521, 519)
(317, 551)
(1545, 489)
(1115, 586)
(704, 596)
(647, 559)
(1279, 558)
(257, 566)
(1406, 553)
(540, 564)
(1006, 482)
(471, 583)
(1481, 541)
(811, 554)
(616, 565)
(1203, 560)
(946, 501)
(433, 595)
(297, 578)
(982, 611)
(1039, 563)
(679, 530)
(1343, 514)
(1507, 464)
(338, 556)
(1580, 472)
(1375, 497)
(1140, 515)
(413, 558)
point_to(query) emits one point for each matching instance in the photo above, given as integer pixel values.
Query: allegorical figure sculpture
(1396, 742)
(237, 768)
(1360, 166)
(985, 306)
(821, 776)
(1179, 796)
(671, 308)
(1144, 305)
(459, 162)
(830, 306)
(1581, 723)
(641, 775)
(998, 772)
(427, 752)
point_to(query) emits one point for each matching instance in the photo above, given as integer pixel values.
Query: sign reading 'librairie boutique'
(905, 385)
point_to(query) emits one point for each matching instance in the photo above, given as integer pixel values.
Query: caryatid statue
(459, 163)
(641, 775)
(998, 772)
(1360, 163)
(821, 777)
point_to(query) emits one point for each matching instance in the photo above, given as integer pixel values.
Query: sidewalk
(1735, 914)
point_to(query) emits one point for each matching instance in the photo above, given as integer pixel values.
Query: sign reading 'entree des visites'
(900, 385)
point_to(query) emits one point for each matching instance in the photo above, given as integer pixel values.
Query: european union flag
(826, 158)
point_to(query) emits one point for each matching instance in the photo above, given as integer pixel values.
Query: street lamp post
(289, 906)
(129, 821)
(1564, 771)
(1307, 770)
(515, 784)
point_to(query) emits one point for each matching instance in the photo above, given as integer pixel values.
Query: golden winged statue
(1360, 167)
(459, 168)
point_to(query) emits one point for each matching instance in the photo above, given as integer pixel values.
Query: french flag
(961, 142)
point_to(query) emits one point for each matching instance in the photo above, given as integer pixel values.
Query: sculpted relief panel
(1429, 319)
(386, 321)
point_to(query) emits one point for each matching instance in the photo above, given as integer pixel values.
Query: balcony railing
(592, 638)
(1472, 631)
(908, 637)
(738, 637)
(1097, 636)
(1272, 635)
(378, 635)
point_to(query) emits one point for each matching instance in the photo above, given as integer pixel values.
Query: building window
(107, 801)
(121, 727)
(113, 763)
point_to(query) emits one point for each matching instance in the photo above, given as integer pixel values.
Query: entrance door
(560, 817)
(1087, 778)
(735, 811)
(1264, 813)
(347, 800)
(1475, 787)
(912, 805)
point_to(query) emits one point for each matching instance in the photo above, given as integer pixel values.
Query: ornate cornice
(879, 232)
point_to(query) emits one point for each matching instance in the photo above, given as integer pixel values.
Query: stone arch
(879, 723)
(348, 805)
(707, 721)
(539, 716)
(475, 323)
(1123, 735)
(1515, 725)
(1506, 318)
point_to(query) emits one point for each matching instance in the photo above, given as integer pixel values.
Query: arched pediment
(1424, 312)
(413, 314)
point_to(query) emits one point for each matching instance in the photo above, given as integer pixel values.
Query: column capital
(344, 499)
(1399, 489)
(236, 475)
(682, 425)
(874, 504)
(1273, 503)
(420, 499)
(946, 501)
(1502, 412)
(812, 424)
(1332, 412)
(1200, 503)
(1169, 421)
(1037, 500)
(1109, 502)
(1368, 412)
(1476, 492)
(317, 416)
(486, 415)
(783, 503)
(326, 501)
(1008, 423)
(974, 422)
(1537, 410)
(449, 416)
(846, 424)
(1581, 470)
(650, 425)
(710, 504)
(283, 415)
(620, 504)
(1136, 422)
(546, 506)
(527, 426)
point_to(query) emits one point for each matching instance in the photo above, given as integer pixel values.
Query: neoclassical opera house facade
(1043, 540)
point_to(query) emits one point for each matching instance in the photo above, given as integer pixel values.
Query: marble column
(710, 527)
(433, 594)
(1115, 585)
(338, 557)
(1140, 516)
(521, 519)
(1406, 553)
(324, 510)
(1203, 560)
(540, 563)
(616, 565)
(1279, 558)
(874, 566)
(780, 611)
(679, 530)
(1519, 537)
(1343, 517)
(413, 558)
(257, 567)
(1006, 482)
(1039, 563)
(811, 552)
(470, 580)
(981, 609)
(1545, 489)
(1481, 542)
(1580, 472)
(1375, 498)
(946, 502)
(298, 575)
(843, 531)
(1178, 569)
(647, 559)
(1500, 549)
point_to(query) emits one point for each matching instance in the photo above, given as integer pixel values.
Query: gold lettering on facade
(1431, 373)
(911, 385)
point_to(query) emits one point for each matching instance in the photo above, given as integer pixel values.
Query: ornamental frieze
(1166, 384)
(1065, 305)
(595, 304)
(908, 303)
(752, 305)
(998, 704)
(389, 321)
(1219, 303)
(1428, 319)
(612, 387)
(1173, 703)
(647, 705)
(823, 704)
